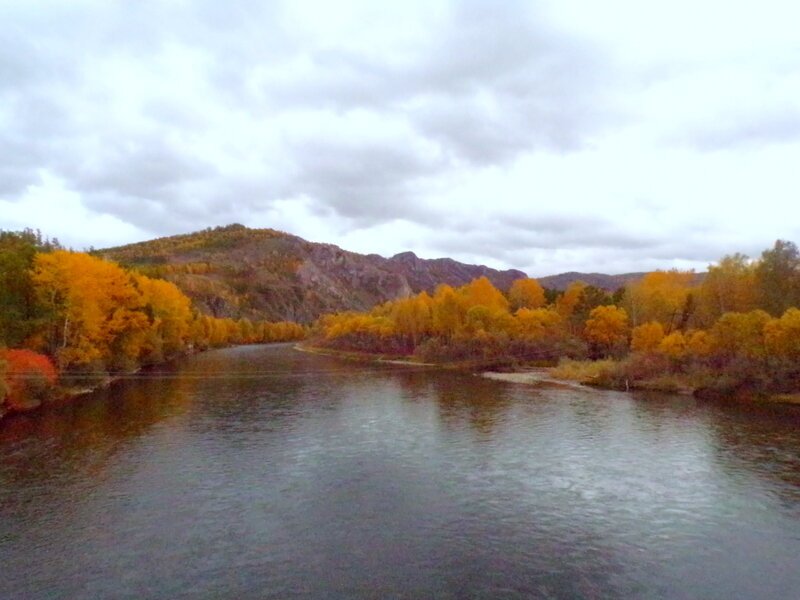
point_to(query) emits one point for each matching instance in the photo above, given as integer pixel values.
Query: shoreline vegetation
(585, 375)
(71, 322)
(733, 332)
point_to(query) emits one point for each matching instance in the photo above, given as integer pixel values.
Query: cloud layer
(541, 136)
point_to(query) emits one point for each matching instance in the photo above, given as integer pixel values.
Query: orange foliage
(94, 303)
(28, 376)
(448, 312)
(568, 301)
(782, 336)
(526, 293)
(481, 292)
(538, 322)
(659, 296)
(607, 327)
(647, 336)
(673, 345)
(102, 317)
(729, 286)
(698, 343)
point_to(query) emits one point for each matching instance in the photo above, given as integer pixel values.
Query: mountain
(599, 280)
(235, 271)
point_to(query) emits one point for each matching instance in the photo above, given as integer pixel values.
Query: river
(263, 472)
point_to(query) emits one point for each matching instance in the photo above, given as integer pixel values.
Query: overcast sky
(609, 136)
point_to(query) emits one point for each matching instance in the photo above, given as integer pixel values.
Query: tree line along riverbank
(69, 320)
(733, 332)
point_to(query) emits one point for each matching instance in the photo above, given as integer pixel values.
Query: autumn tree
(607, 329)
(567, 302)
(729, 286)
(782, 336)
(539, 322)
(740, 335)
(698, 343)
(661, 296)
(447, 311)
(647, 336)
(673, 345)
(169, 313)
(489, 320)
(413, 318)
(526, 293)
(778, 278)
(93, 304)
(481, 292)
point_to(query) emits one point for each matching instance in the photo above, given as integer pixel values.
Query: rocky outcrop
(426, 274)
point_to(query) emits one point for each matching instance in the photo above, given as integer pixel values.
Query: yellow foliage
(740, 334)
(170, 311)
(566, 303)
(673, 345)
(538, 322)
(782, 336)
(526, 293)
(607, 326)
(489, 320)
(481, 292)
(448, 312)
(659, 296)
(94, 304)
(729, 286)
(698, 343)
(647, 336)
(412, 317)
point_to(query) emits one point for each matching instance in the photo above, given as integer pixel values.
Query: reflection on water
(261, 472)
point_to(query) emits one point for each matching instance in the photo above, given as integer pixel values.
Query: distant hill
(610, 283)
(235, 271)
(599, 280)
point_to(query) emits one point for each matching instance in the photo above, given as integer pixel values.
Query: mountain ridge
(234, 271)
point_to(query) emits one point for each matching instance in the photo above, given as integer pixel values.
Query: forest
(72, 316)
(734, 330)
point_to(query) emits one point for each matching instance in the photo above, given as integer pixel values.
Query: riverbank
(395, 359)
(66, 392)
(590, 374)
(533, 376)
(61, 393)
(581, 374)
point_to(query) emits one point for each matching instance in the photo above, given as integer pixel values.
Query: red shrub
(28, 377)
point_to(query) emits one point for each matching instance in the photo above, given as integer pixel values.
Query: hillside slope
(235, 271)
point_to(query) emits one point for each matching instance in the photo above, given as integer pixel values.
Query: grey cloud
(548, 244)
(368, 183)
(14, 181)
(560, 230)
(490, 82)
(145, 167)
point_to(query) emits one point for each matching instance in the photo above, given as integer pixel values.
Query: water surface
(262, 472)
